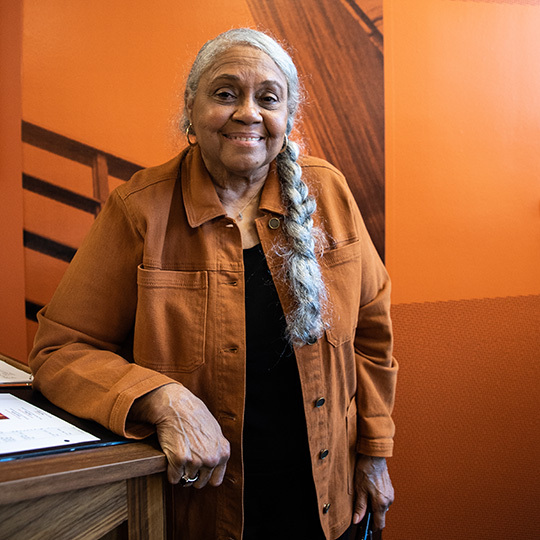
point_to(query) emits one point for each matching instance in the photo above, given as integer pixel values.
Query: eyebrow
(231, 77)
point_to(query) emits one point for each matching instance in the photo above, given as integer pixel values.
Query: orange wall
(462, 112)
(12, 315)
(110, 74)
(463, 138)
(462, 89)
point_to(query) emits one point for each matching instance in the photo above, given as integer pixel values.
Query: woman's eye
(269, 99)
(224, 95)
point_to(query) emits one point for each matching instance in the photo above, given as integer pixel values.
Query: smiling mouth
(243, 138)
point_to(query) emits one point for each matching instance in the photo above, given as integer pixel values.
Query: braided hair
(305, 322)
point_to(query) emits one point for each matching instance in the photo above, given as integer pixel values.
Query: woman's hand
(372, 480)
(188, 434)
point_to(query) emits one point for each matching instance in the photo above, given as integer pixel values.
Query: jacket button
(325, 508)
(311, 340)
(323, 453)
(320, 402)
(274, 223)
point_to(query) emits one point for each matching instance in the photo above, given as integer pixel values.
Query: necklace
(240, 214)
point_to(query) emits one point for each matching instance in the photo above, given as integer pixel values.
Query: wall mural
(337, 46)
(338, 49)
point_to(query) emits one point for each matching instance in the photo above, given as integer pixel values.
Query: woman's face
(239, 114)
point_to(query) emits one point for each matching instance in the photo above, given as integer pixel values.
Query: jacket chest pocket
(343, 278)
(170, 326)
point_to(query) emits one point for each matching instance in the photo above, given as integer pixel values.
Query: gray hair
(302, 272)
(252, 38)
(306, 323)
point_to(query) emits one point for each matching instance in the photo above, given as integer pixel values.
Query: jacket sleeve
(375, 366)
(78, 357)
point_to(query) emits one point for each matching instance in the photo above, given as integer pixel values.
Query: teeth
(244, 138)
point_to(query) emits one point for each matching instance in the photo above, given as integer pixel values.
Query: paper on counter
(24, 426)
(11, 375)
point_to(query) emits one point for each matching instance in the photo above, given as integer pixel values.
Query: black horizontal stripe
(47, 246)
(60, 194)
(75, 150)
(32, 309)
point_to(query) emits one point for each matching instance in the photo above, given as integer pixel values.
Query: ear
(189, 106)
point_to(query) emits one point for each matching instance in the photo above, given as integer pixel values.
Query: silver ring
(185, 481)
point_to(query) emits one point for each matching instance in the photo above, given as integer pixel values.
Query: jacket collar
(271, 193)
(200, 197)
(201, 201)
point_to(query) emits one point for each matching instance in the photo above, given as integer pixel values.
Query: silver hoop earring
(285, 144)
(188, 133)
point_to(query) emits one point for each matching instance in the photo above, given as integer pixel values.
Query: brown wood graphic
(335, 46)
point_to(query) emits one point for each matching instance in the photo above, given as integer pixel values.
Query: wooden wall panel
(342, 71)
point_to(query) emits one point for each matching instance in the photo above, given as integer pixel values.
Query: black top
(274, 423)
(279, 494)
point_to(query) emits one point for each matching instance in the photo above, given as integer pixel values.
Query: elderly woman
(231, 301)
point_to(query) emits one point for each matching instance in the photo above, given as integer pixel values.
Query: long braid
(305, 323)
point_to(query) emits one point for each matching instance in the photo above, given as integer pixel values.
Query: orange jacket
(156, 293)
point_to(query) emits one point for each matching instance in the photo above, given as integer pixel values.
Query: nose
(247, 111)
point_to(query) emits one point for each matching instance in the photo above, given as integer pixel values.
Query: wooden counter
(84, 494)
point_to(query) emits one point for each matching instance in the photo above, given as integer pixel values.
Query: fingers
(196, 469)
(379, 518)
(380, 504)
(360, 507)
(175, 467)
(188, 473)
(213, 469)
(205, 476)
(372, 482)
(378, 512)
(218, 474)
(190, 437)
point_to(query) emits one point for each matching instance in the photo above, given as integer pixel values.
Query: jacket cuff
(118, 419)
(375, 448)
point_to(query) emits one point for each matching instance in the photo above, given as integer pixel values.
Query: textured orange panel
(468, 437)
(522, 2)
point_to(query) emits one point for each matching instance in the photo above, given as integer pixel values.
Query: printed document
(11, 375)
(24, 426)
